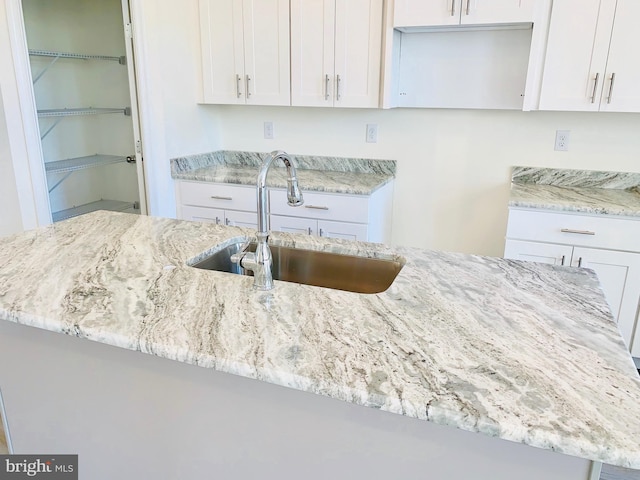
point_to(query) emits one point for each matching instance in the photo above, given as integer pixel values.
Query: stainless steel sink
(309, 267)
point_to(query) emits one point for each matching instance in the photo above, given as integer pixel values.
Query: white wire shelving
(112, 205)
(80, 163)
(76, 56)
(80, 56)
(69, 112)
(70, 165)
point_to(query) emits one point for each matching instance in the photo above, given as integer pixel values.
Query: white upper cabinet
(336, 48)
(593, 67)
(245, 51)
(431, 13)
(622, 78)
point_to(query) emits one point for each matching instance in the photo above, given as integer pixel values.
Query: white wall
(10, 218)
(452, 184)
(167, 39)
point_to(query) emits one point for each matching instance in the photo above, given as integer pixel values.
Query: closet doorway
(84, 88)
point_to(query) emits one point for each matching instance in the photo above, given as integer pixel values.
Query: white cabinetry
(324, 215)
(351, 217)
(336, 48)
(245, 51)
(607, 245)
(218, 203)
(592, 68)
(430, 13)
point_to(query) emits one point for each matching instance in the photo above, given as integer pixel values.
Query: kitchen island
(515, 355)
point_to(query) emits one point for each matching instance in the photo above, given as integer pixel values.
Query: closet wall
(95, 28)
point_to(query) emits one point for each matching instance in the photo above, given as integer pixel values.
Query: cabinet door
(221, 31)
(266, 52)
(202, 214)
(619, 274)
(241, 219)
(347, 231)
(312, 52)
(426, 13)
(538, 252)
(358, 48)
(496, 11)
(622, 82)
(576, 57)
(305, 226)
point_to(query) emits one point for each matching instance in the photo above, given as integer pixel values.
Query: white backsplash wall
(452, 184)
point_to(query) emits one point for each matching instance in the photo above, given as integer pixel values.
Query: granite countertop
(521, 351)
(321, 174)
(581, 191)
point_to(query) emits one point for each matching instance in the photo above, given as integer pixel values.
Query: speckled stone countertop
(582, 191)
(354, 176)
(521, 351)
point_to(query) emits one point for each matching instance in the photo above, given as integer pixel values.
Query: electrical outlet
(268, 130)
(372, 133)
(562, 140)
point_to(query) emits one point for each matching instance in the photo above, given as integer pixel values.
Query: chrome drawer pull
(315, 207)
(218, 197)
(562, 261)
(579, 232)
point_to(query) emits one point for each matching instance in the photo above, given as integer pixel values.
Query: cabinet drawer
(201, 214)
(573, 229)
(216, 195)
(323, 206)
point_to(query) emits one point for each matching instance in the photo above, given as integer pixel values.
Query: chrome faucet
(260, 262)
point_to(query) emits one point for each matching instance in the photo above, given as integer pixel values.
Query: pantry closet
(80, 55)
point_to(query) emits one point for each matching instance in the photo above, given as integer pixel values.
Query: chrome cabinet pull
(321, 233)
(217, 220)
(580, 262)
(326, 87)
(613, 78)
(595, 88)
(579, 232)
(453, 7)
(227, 221)
(468, 3)
(238, 92)
(309, 229)
(247, 86)
(316, 207)
(218, 197)
(562, 261)
(338, 84)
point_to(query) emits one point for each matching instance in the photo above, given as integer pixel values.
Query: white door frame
(22, 121)
(22, 117)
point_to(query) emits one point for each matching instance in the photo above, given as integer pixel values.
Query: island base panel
(131, 416)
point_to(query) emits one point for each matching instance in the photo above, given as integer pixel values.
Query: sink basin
(309, 267)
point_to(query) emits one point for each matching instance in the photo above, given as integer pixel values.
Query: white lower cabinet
(320, 228)
(222, 204)
(218, 216)
(334, 215)
(587, 242)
